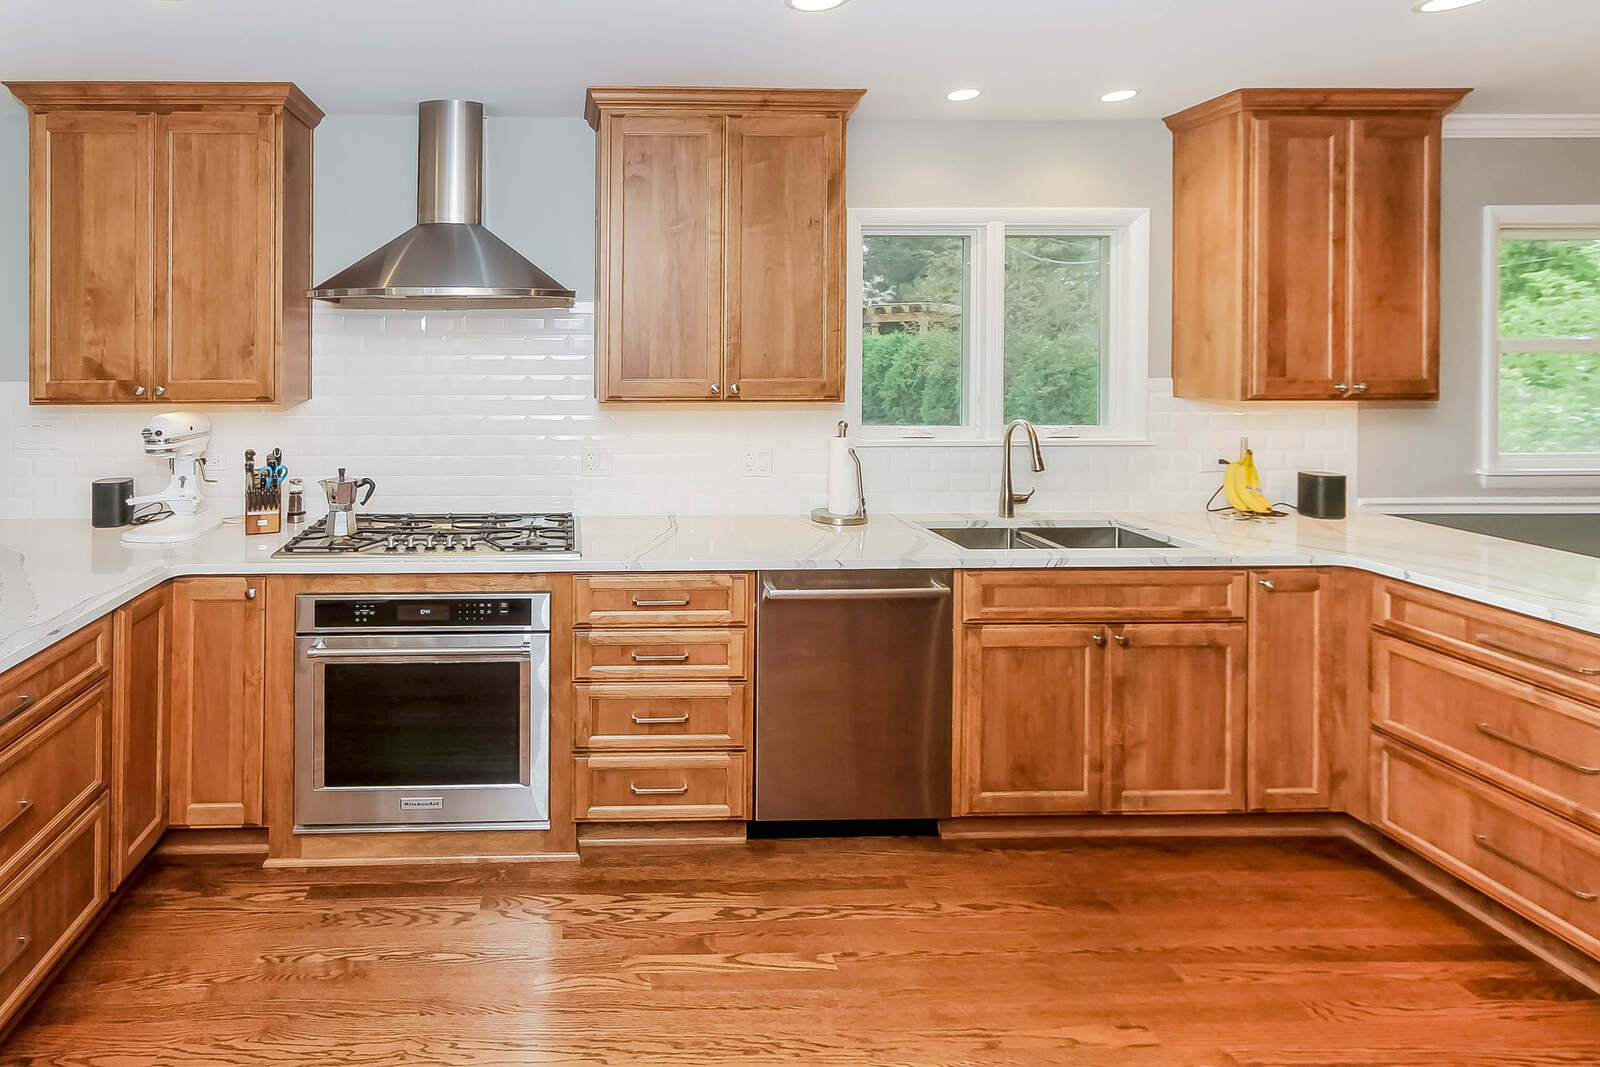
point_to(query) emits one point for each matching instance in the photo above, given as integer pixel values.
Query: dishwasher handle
(936, 590)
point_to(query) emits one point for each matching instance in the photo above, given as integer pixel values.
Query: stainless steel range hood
(448, 260)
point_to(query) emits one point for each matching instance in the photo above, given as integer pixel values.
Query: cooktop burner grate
(541, 534)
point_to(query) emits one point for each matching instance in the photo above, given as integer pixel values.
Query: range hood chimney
(448, 261)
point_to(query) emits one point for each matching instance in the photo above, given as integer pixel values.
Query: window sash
(1533, 223)
(1124, 326)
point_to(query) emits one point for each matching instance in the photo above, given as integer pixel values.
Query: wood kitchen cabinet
(141, 722)
(1032, 704)
(1306, 244)
(1294, 687)
(218, 701)
(170, 235)
(1175, 718)
(721, 243)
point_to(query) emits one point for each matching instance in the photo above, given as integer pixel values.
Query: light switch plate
(36, 437)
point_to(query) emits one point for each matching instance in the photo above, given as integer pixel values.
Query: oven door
(422, 729)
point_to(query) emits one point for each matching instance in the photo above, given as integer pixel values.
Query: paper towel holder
(859, 518)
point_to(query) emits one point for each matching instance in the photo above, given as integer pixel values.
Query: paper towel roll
(842, 498)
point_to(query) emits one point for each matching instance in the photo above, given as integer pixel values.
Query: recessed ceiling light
(1117, 96)
(814, 5)
(1428, 7)
(959, 95)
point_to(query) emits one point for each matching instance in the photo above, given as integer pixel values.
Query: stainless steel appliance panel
(853, 695)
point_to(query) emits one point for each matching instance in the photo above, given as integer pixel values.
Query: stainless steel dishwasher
(853, 708)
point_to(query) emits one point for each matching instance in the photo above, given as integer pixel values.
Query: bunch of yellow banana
(1242, 482)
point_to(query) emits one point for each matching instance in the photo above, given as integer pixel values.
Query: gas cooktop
(455, 535)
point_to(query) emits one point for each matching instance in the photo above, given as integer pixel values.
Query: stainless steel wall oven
(428, 710)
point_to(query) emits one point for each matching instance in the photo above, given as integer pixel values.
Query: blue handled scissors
(272, 474)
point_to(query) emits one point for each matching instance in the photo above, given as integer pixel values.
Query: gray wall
(1432, 450)
(539, 190)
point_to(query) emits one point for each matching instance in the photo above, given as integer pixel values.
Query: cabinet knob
(716, 390)
(1342, 387)
(1359, 387)
(1121, 639)
(1265, 583)
(1098, 638)
(161, 390)
(138, 390)
(734, 388)
(250, 594)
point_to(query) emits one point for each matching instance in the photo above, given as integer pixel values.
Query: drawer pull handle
(24, 702)
(676, 657)
(649, 792)
(23, 807)
(1488, 642)
(657, 720)
(660, 603)
(22, 943)
(1488, 846)
(1560, 761)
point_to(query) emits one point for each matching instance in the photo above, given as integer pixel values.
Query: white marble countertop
(58, 575)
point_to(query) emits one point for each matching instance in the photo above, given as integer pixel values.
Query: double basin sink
(1051, 538)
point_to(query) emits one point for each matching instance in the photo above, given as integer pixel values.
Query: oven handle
(318, 651)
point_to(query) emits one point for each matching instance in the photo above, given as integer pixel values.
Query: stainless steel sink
(1049, 538)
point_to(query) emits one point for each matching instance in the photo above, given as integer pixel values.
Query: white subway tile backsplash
(462, 412)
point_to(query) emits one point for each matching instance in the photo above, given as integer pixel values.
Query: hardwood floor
(840, 952)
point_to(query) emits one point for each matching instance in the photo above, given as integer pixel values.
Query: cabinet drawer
(1539, 865)
(51, 903)
(650, 787)
(1540, 744)
(1146, 595)
(647, 654)
(1555, 657)
(48, 776)
(30, 691)
(661, 600)
(630, 716)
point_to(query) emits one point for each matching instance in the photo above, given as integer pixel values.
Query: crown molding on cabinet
(1512, 126)
(164, 96)
(635, 98)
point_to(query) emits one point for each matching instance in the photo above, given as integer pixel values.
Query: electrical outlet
(758, 463)
(596, 462)
(36, 437)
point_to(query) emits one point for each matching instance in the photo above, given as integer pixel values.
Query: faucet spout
(1009, 499)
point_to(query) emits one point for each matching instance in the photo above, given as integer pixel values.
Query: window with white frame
(1542, 325)
(969, 319)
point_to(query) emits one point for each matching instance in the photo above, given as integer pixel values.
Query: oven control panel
(398, 613)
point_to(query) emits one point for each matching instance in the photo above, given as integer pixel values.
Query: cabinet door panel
(218, 701)
(1394, 256)
(1292, 687)
(140, 728)
(785, 330)
(90, 271)
(1300, 348)
(662, 242)
(1031, 709)
(1176, 718)
(215, 278)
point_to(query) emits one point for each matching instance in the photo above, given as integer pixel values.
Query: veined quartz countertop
(58, 575)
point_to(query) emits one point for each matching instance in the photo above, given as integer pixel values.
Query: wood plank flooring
(873, 951)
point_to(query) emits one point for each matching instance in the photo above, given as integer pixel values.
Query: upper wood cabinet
(170, 241)
(721, 243)
(1306, 244)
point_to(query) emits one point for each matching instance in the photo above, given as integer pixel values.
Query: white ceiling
(1034, 59)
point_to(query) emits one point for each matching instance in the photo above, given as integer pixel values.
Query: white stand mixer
(180, 437)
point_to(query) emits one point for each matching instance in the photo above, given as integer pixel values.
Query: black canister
(1322, 495)
(108, 502)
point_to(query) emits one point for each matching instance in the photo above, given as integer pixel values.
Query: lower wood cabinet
(651, 787)
(51, 775)
(218, 701)
(1294, 688)
(1175, 718)
(1032, 707)
(141, 721)
(1063, 719)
